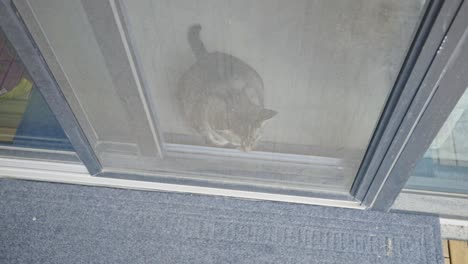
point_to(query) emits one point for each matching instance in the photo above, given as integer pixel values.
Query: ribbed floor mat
(59, 223)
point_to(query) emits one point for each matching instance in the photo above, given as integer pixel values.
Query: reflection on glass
(444, 167)
(25, 119)
(88, 58)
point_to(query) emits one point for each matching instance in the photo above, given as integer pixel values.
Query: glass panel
(444, 167)
(25, 119)
(282, 94)
(82, 44)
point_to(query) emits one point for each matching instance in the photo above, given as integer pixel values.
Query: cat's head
(253, 132)
(245, 128)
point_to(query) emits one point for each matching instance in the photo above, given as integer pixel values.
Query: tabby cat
(222, 97)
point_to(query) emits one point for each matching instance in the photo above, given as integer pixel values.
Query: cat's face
(246, 125)
(253, 132)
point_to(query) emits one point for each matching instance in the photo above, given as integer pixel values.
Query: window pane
(324, 67)
(444, 167)
(82, 45)
(25, 119)
(282, 94)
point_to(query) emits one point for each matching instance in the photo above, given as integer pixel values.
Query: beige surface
(455, 251)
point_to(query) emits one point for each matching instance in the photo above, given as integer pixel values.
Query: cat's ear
(266, 114)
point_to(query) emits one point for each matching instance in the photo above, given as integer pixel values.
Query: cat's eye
(152, 87)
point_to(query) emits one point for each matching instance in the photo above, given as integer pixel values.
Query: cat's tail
(195, 41)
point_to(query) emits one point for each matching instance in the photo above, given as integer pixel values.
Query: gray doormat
(59, 223)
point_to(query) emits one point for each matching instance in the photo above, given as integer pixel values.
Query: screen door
(276, 94)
